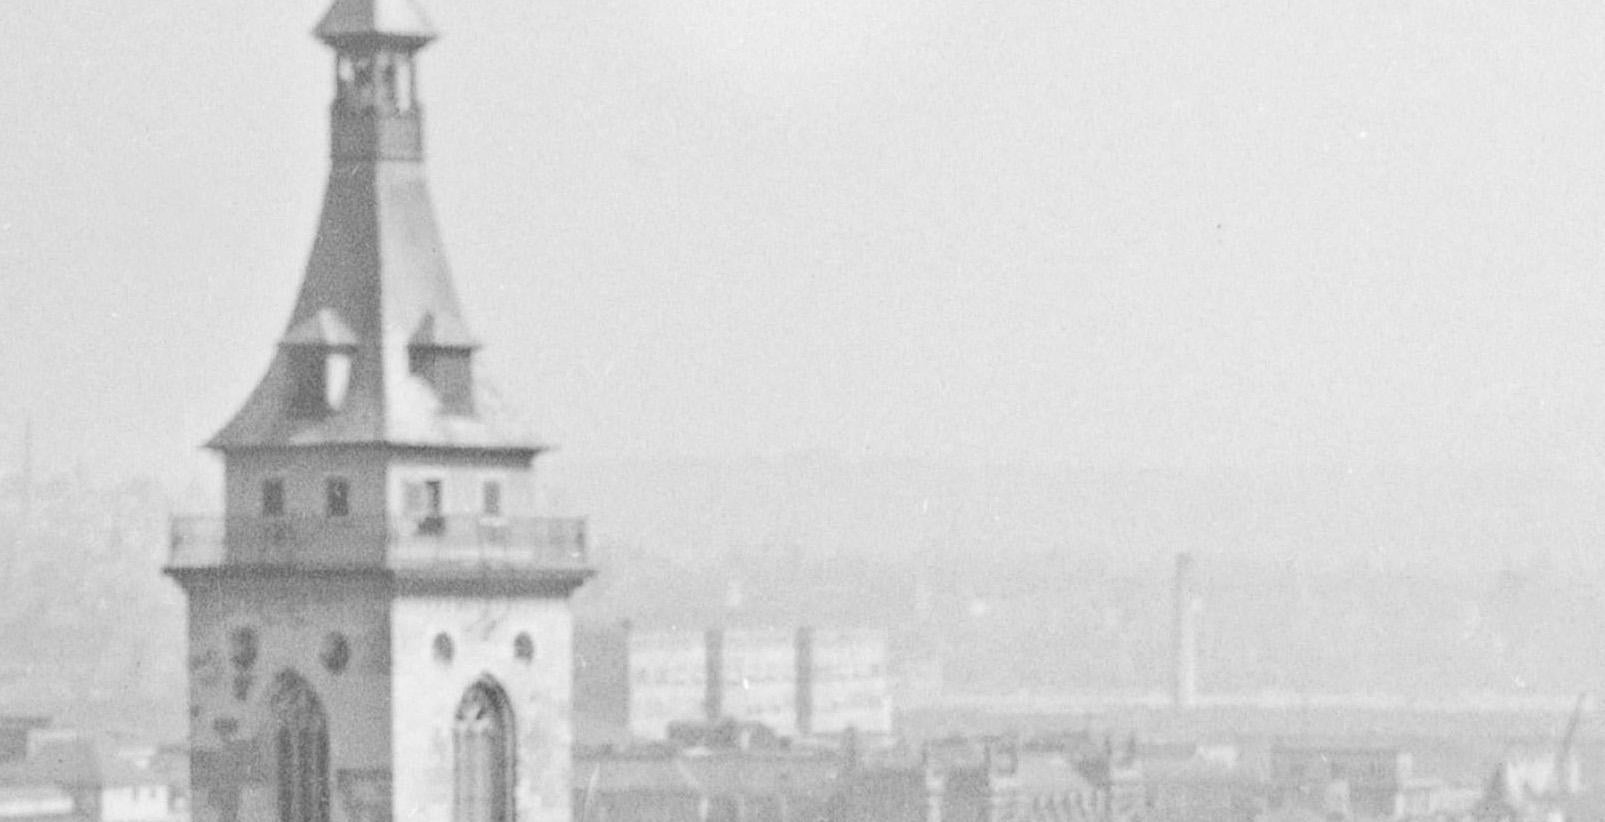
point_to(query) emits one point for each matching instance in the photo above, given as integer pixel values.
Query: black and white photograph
(802, 411)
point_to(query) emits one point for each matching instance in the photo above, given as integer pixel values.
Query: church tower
(379, 624)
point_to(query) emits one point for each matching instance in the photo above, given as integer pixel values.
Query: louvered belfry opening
(484, 754)
(301, 751)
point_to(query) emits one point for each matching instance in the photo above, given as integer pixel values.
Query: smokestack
(713, 657)
(805, 681)
(1184, 635)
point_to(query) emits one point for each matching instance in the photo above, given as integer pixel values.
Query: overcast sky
(1190, 233)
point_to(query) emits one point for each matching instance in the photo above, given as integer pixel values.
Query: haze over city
(942, 412)
(899, 280)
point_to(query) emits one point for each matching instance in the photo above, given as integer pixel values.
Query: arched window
(300, 751)
(484, 773)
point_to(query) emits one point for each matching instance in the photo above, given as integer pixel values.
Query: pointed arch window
(484, 756)
(300, 751)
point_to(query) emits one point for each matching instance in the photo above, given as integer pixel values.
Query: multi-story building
(1361, 782)
(379, 624)
(720, 785)
(808, 681)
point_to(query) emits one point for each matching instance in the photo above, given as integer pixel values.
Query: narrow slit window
(337, 497)
(428, 514)
(492, 498)
(273, 497)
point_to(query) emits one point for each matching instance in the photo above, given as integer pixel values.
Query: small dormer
(440, 352)
(318, 351)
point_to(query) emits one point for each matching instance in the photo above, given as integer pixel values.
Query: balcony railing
(417, 542)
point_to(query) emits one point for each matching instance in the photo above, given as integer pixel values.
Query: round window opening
(524, 648)
(443, 648)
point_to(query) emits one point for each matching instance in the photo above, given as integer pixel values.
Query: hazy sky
(1204, 232)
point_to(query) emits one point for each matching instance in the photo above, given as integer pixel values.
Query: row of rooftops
(1060, 777)
(48, 773)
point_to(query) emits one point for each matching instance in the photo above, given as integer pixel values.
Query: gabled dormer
(441, 354)
(318, 352)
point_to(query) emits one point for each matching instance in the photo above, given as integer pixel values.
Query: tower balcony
(424, 544)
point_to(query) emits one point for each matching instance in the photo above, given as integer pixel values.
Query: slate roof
(324, 327)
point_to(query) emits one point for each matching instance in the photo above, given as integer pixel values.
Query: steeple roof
(360, 19)
(377, 292)
(442, 331)
(324, 328)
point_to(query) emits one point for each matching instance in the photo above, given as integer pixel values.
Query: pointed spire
(377, 324)
(350, 21)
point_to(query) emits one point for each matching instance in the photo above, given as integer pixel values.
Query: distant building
(950, 781)
(69, 776)
(710, 786)
(1199, 791)
(797, 683)
(14, 734)
(1360, 782)
(715, 772)
(37, 803)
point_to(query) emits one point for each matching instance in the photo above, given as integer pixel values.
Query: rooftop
(351, 19)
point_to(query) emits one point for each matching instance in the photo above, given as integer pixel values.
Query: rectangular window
(337, 497)
(493, 498)
(424, 503)
(433, 497)
(273, 497)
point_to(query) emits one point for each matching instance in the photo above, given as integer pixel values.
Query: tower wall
(312, 537)
(247, 629)
(303, 472)
(463, 482)
(428, 689)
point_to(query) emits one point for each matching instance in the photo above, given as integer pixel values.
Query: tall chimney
(713, 658)
(1184, 635)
